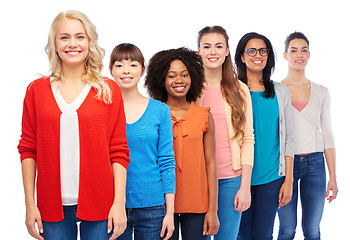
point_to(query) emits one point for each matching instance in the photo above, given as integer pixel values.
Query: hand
(211, 223)
(117, 221)
(242, 200)
(332, 187)
(32, 217)
(168, 226)
(286, 193)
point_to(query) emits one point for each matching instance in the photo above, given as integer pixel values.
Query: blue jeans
(191, 226)
(228, 217)
(309, 171)
(257, 222)
(144, 223)
(67, 229)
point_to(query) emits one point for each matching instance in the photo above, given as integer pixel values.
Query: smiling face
(72, 42)
(297, 54)
(177, 80)
(127, 73)
(258, 62)
(213, 50)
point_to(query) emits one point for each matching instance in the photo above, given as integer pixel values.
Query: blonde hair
(93, 62)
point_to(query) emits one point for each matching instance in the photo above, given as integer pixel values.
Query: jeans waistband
(307, 157)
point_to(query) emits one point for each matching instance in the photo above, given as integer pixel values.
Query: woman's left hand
(117, 221)
(286, 193)
(332, 187)
(168, 226)
(211, 223)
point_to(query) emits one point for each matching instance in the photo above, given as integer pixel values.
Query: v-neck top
(312, 125)
(151, 172)
(69, 144)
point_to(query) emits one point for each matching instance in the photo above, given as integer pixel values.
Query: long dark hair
(269, 68)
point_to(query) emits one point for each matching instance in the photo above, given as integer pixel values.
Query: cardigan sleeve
(288, 112)
(326, 126)
(166, 157)
(118, 148)
(247, 148)
(27, 143)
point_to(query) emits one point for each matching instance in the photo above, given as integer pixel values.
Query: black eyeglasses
(253, 51)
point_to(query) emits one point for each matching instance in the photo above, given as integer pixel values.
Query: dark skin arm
(211, 221)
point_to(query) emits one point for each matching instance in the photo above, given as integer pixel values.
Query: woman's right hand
(33, 217)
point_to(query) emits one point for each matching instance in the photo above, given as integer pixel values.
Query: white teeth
(257, 62)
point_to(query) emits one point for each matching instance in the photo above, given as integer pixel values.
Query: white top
(69, 144)
(312, 126)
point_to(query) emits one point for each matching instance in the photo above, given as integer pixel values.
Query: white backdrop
(159, 25)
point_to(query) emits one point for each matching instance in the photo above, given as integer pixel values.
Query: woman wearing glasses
(272, 174)
(311, 112)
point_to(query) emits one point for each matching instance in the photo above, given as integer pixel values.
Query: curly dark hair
(158, 68)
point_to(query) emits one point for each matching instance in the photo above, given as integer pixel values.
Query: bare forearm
(119, 173)
(330, 159)
(28, 174)
(212, 186)
(246, 176)
(169, 203)
(289, 169)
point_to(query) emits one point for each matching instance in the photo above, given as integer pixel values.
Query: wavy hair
(93, 62)
(158, 67)
(230, 86)
(267, 71)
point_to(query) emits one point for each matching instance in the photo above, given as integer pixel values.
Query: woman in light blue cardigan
(150, 184)
(272, 175)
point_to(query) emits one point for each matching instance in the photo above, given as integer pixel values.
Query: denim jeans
(191, 226)
(310, 173)
(144, 223)
(257, 222)
(228, 217)
(67, 229)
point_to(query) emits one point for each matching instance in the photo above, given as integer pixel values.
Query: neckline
(76, 103)
(308, 102)
(184, 117)
(144, 112)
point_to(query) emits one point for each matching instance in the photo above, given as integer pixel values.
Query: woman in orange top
(176, 77)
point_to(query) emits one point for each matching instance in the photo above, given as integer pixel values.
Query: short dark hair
(270, 65)
(158, 67)
(126, 51)
(292, 36)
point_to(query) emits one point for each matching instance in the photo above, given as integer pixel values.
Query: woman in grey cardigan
(272, 175)
(313, 140)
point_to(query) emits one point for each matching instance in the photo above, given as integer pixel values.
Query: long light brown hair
(93, 63)
(230, 87)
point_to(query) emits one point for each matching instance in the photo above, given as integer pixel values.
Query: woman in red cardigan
(73, 141)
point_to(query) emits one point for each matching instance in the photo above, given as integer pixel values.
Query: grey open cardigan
(285, 125)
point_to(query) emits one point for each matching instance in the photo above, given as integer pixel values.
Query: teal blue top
(267, 142)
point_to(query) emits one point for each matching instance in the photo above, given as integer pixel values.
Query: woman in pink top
(230, 104)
